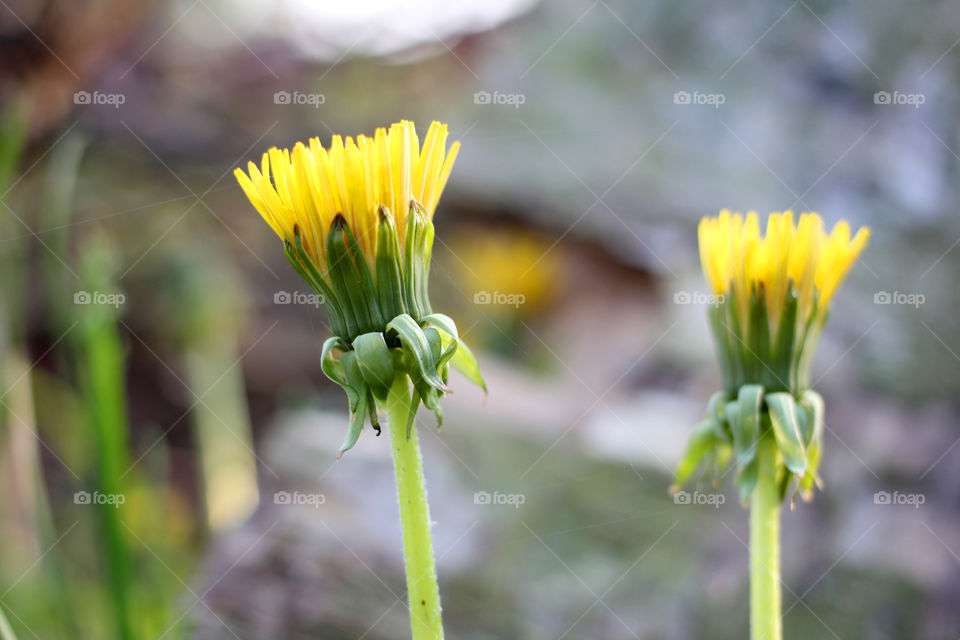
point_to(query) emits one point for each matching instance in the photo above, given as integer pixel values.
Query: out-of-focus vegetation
(150, 356)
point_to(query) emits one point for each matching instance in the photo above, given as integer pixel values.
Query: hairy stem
(765, 621)
(422, 591)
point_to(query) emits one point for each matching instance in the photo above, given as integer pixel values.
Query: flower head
(356, 224)
(773, 291)
(306, 189)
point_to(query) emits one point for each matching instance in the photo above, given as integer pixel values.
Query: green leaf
(783, 419)
(418, 349)
(745, 442)
(375, 362)
(701, 444)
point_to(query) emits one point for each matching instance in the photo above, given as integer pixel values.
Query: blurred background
(167, 438)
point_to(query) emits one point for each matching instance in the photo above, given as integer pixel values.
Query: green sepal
(746, 480)
(388, 266)
(348, 281)
(303, 265)
(750, 399)
(714, 407)
(355, 384)
(330, 365)
(417, 248)
(414, 405)
(758, 339)
(417, 348)
(721, 337)
(731, 416)
(362, 269)
(447, 330)
(465, 362)
(357, 417)
(783, 483)
(375, 363)
(783, 346)
(812, 402)
(786, 429)
(456, 351)
(359, 395)
(702, 442)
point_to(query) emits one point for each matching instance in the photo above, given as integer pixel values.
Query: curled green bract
(734, 427)
(381, 316)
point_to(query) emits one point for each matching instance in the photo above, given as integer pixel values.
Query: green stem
(422, 591)
(765, 619)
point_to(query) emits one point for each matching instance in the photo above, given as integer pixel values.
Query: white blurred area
(323, 30)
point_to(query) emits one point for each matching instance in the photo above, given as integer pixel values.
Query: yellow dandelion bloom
(775, 289)
(356, 224)
(307, 187)
(773, 295)
(791, 256)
